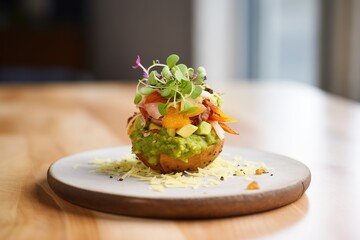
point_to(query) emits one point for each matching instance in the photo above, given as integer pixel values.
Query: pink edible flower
(138, 64)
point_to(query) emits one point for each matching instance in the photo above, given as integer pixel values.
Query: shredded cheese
(221, 169)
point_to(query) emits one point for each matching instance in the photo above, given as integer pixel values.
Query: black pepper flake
(111, 177)
(120, 179)
(234, 174)
(222, 178)
(271, 174)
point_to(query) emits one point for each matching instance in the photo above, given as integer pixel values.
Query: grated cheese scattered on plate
(219, 170)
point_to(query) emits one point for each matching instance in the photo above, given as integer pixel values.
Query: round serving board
(71, 179)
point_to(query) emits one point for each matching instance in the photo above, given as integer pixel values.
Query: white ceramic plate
(70, 178)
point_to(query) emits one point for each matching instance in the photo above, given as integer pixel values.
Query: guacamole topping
(154, 143)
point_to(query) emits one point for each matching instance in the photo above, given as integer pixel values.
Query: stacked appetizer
(179, 126)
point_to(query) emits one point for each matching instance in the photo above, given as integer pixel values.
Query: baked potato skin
(145, 160)
(167, 164)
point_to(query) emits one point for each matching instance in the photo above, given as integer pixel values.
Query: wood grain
(40, 124)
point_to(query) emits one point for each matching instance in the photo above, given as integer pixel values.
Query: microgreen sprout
(138, 64)
(175, 82)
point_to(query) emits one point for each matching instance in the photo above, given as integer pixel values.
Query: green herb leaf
(152, 78)
(162, 108)
(201, 71)
(166, 72)
(187, 107)
(172, 60)
(137, 98)
(146, 90)
(199, 79)
(171, 83)
(190, 109)
(165, 92)
(191, 72)
(196, 92)
(184, 70)
(188, 87)
(184, 105)
(179, 75)
(176, 83)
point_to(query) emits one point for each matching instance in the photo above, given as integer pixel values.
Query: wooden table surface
(40, 124)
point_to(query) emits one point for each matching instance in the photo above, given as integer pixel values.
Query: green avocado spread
(152, 144)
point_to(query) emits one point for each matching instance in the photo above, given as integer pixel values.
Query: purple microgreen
(175, 82)
(139, 65)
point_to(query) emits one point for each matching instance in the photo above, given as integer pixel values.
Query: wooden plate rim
(175, 208)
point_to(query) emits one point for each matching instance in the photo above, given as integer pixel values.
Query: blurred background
(315, 42)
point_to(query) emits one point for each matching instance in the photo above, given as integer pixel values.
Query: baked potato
(167, 164)
(179, 116)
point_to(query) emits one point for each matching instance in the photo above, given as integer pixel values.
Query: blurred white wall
(257, 39)
(289, 39)
(216, 39)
